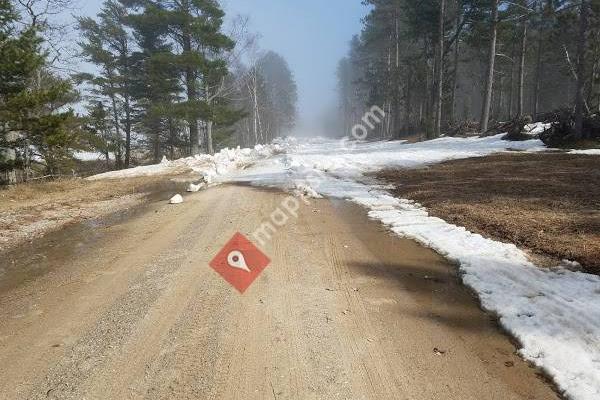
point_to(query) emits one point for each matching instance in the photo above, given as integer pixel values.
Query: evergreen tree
(19, 60)
(157, 87)
(99, 129)
(194, 28)
(36, 124)
(108, 44)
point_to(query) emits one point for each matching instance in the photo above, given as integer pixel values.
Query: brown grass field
(547, 203)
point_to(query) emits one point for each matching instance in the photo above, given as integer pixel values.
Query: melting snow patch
(225, 162)
(591, 152)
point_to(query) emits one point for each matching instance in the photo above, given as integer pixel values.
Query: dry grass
(68, 191)
(30, 210)
(547, 203)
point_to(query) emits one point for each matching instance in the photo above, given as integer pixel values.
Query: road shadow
(446, 300)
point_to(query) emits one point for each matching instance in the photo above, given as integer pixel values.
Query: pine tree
(108, 44)
(19, 60)
(194, 27)
(100, 133)
(33, 102)
(157, 88)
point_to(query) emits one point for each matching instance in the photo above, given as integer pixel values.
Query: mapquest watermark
(370, 120)
(240, 262)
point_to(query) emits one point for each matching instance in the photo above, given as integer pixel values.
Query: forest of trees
(437, 65)
(172, 78)
(166, 78)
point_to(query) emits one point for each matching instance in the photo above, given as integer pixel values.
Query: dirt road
(129, 309)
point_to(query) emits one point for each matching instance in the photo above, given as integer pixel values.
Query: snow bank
(554, 314)
(352, 160)
(224, 162)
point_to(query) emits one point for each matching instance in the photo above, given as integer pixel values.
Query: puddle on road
(43, 255)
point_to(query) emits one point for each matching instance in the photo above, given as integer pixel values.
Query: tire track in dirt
(371, 376)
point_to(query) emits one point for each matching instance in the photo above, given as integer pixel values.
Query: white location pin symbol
(235, 259)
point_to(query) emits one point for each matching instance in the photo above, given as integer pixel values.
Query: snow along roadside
(553, 313)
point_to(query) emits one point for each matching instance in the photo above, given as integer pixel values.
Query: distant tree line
(164, 79)
(434, 64)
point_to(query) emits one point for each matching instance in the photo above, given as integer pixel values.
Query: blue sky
(311, 34)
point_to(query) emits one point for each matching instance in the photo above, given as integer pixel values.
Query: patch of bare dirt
(548, 203)
(28, 211)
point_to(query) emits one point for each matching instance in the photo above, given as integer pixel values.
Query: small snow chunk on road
(193, 188)
(177, 199)
(304, 190)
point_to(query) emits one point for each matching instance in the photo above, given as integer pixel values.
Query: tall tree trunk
(500, 101)
(596, 83)
(192, 96)
(193, 121)
(408, 108)
(429, 112)
(172, 139)
(421, 112)
(397, 91)
(440, 73)
(489, 84)
(209, 126)
(209, 138)
(581, 48)
(255, 107)
(127, 131)
(538, 74)
(455, 73)
(538, 60)
(156, 144)
(127, 97)
(511, 89)
(115, 112)
(522, 54)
